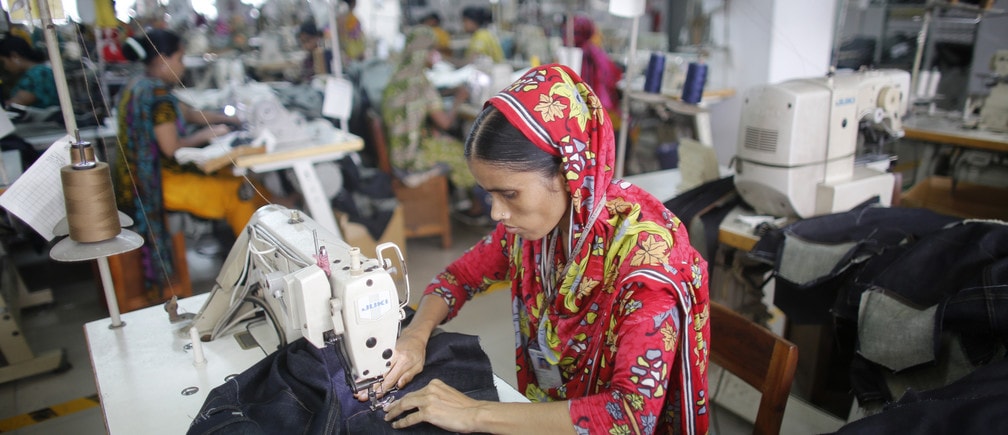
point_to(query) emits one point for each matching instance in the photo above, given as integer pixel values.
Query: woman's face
(308, 42)
(527, 203)
(172, 67)
(433, 57)
(12, 64)
(469, 26)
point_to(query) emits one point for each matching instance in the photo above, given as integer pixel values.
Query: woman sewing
(609, 299)
(35, 85)
(481, 41)
(152, 126)
(419, 124)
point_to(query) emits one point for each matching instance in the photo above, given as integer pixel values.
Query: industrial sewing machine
(312, 284)
(798, 140)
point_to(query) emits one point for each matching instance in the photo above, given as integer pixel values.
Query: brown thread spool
(92, 215)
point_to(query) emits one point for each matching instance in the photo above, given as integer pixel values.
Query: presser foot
(377, 403)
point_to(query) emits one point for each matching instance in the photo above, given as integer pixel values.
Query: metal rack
(948, 13)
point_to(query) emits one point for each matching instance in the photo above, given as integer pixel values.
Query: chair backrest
(376, 128)
(759, 357)
(337, 101)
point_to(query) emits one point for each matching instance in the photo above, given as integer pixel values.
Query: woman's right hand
(407, 362)
(208, 134)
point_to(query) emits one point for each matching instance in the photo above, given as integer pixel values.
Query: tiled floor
(78, 301)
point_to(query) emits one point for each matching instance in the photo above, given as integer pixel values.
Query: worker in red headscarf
(597, 69)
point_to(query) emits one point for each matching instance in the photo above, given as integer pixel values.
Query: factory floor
(66, 402)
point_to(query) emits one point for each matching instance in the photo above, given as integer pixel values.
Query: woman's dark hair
(494, 140)
(308, 28)
(148, 44)
(11, 44)
(436, 17)
(480, 15)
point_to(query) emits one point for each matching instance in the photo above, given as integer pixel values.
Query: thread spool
(655, 70)
(923, 82)
(933, 80)
(92, 215)
(696, 78)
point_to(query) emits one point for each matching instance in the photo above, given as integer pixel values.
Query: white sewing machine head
(798, 139)
(312, 284)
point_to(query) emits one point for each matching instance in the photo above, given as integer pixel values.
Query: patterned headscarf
(408, 88)
(621, 238)
(413, 59)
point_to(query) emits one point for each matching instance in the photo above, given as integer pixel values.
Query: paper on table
(36, 197)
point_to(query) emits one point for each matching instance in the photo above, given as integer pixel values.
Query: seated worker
(34, 85)
(608, 297)
(152, 126)
(417, 123)
(441, 37)
(597, 69)
(318, 59)
(351, 35)
(481, 41)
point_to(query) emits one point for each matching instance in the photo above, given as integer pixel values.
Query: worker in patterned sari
(148, 180)
(609, 299)
(418, 123)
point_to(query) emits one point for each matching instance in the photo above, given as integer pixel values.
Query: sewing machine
(310, 283)
(994, 113)
(798, 140)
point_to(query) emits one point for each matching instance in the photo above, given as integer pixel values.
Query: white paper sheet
(36, 197)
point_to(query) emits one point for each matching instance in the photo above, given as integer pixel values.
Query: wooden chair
(759, 357)
(426, 207)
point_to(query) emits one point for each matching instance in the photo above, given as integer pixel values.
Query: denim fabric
(964, 270)
(893, 334)
(921, 258)
(864, 233)
(711, 202)
(975, 403)
(300, 389)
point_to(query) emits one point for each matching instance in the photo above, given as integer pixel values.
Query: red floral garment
(627, 326)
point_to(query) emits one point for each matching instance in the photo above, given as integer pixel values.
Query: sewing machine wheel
(263, 111)
(889, 99)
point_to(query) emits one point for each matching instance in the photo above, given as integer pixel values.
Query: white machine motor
(798, 140)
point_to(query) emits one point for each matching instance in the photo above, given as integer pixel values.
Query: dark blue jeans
(816, 259)
(960, 267)
(974, 404)
(301, 390)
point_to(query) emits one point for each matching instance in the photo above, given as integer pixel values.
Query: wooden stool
(127, 277)
(426, 207)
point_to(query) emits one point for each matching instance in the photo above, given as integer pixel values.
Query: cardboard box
(357, 235)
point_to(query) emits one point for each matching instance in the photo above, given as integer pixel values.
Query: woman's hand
(407, 362)
(208, 134)
(437, 404)
(461, 95)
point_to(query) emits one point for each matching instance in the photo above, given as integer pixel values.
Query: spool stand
(89, 240)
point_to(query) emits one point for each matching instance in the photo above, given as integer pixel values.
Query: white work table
(144, 369)
(326, 145)
(42, 137)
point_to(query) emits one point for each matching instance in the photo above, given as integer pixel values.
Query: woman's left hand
(437, 404)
